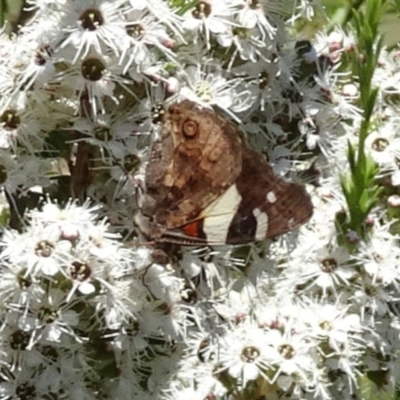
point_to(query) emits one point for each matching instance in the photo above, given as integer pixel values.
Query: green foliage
(369, 390)
(183, 5)
(359, 185)
(4, 211)
(3, 11)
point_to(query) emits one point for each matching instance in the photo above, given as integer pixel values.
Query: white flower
(327, 269)
(380, 258)
(129, 339)
(95, 76)
(14, 348)
(116, 139)
(304, 8)
(238, 304)
(78, 224)
(252, 15)
(343, 102)
(162, 284)
(205, 85)
(383, 145)
(322, 132)
(161, 10)
(246, 42)
(8, 49)
(210, 17)
(23, 172)
(373, 301)
(40, 251)
(20, 127)
(92, 25)
(348, 361)
(17, 285)
(245, 353)
(265, 84)
(291, 355)
(36, 64)
(21, 381)
(208, 382)
(387, 76)
(333, 322)
(334, 44)
(144, 33)
(201, 365)
(49, 318)
(171, 319)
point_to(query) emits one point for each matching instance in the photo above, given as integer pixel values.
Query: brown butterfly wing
(207, 186)
(270, 206)
(198, 156)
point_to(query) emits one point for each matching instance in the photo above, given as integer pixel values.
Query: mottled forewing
(198, 156)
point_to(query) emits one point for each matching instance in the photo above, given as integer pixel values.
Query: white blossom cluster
(84, 313)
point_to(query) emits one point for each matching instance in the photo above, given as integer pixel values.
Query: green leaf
(3, 11)
(4, 211)
(372, 386)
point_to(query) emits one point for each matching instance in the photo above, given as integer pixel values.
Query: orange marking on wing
(192, 229)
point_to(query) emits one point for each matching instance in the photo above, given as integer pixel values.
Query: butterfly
(205, 186)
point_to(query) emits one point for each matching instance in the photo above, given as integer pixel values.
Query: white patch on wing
(271, 197)
(262, 224)
(219, 215)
